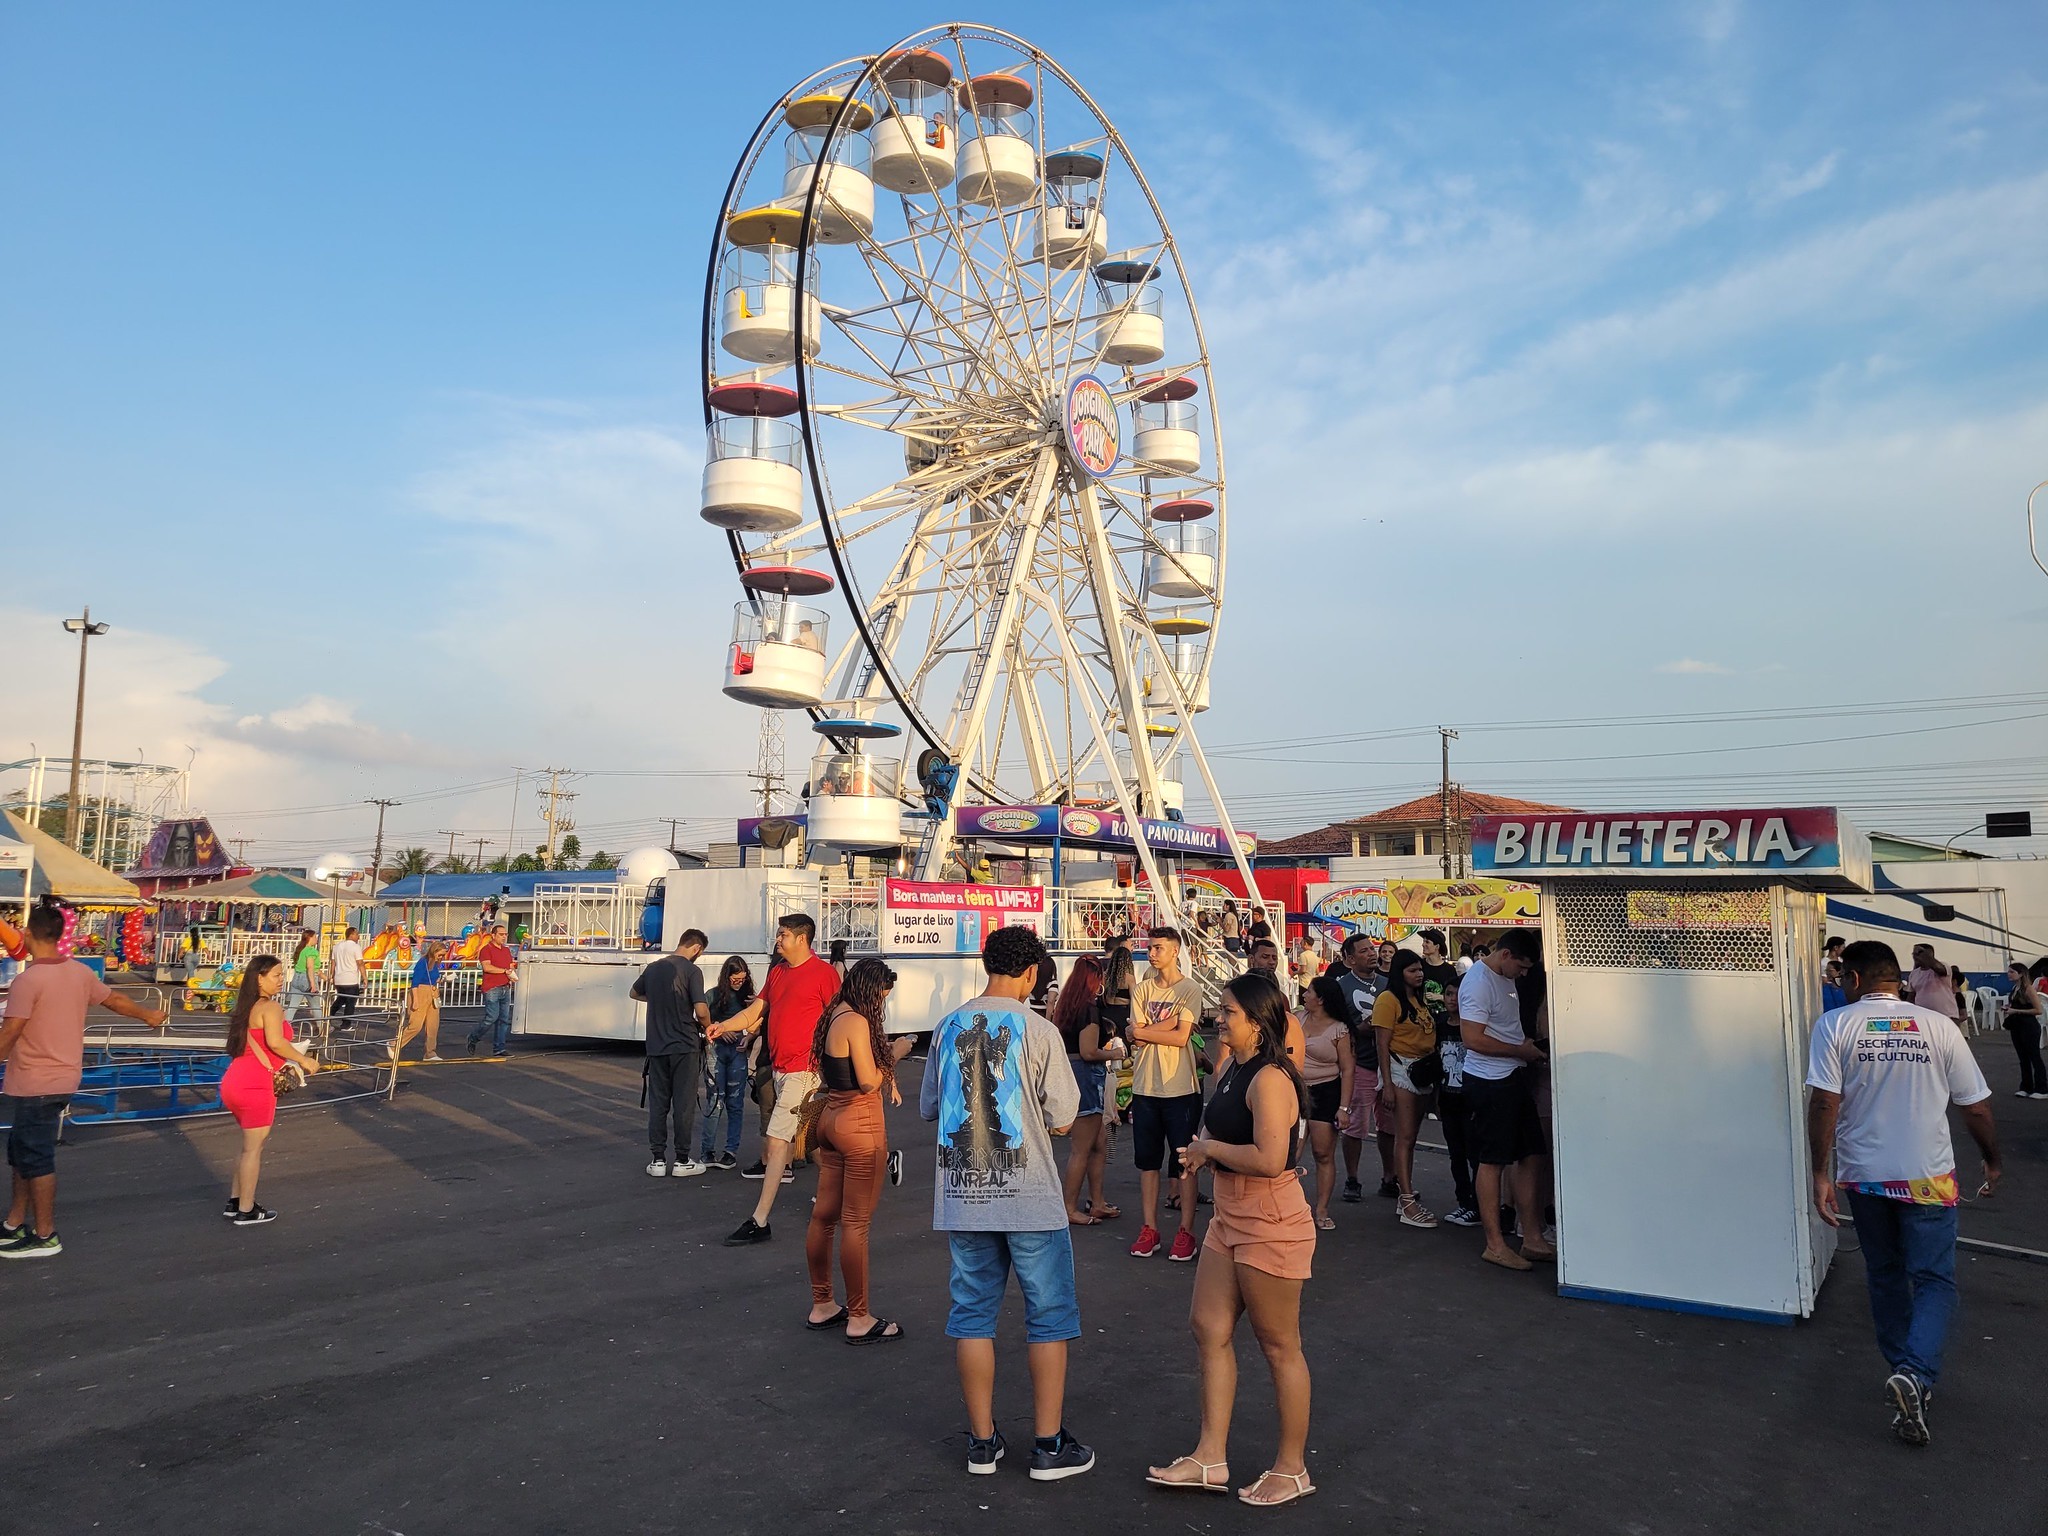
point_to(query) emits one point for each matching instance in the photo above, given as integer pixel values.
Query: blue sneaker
(1065, 1457)
(982, 1455)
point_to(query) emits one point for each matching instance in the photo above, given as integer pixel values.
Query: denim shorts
(1088, 1075)
(32, 1135)
(1044, 1262)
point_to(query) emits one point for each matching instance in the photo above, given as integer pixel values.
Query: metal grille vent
(1683, 925)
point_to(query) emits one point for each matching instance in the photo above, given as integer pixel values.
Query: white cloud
(1688, 667)
(1783, 185)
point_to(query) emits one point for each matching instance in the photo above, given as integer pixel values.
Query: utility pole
(451, 836)
(240, 843)
(85, 629)
(555, 815)
(377, 858)
(481, 844)
(1444, 791)
(512, 827)
(673, 822)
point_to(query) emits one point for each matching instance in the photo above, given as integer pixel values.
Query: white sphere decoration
(644, 866)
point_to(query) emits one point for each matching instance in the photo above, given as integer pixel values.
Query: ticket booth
(1684, 953)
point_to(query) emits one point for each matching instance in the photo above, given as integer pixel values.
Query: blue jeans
(1044, 1262)
(1909, 1259)
(728, 1079)
(497, 1020)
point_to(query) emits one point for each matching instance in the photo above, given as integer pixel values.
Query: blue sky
(1595, 362)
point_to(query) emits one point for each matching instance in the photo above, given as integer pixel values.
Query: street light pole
(85, 629)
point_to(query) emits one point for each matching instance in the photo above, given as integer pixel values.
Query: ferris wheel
(956, 388)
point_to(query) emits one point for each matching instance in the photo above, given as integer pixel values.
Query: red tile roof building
(1413, 827)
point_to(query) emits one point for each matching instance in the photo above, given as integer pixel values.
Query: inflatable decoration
(65, 944)
(13, 942)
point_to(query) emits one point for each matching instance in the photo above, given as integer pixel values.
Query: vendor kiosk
(1683, 950)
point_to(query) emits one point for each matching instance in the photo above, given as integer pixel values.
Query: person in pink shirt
(42, 1044)
(1929, 986)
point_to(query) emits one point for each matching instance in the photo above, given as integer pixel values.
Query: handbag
(1426, 1072)
(284, 1077)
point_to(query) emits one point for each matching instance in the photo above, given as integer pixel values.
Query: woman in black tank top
(1257, 1252)
(855, 1062)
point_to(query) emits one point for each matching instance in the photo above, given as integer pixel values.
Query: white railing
(852, 912)
(218, 947)
(586, 916)
(389, 987)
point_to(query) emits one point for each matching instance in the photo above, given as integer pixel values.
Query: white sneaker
(688, 1170)
(434, 1058)
(657, 1169)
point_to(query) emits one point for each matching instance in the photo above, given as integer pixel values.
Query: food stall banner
(931, 917)
(1336, 912)
(1474, 903)
(1795, 843)
(1096, 829)
(1669, 911)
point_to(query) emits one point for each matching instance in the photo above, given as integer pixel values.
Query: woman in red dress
(259, 1042)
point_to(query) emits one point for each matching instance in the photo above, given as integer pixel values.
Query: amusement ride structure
(955, 385)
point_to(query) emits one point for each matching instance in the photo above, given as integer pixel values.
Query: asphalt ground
(477, 1313)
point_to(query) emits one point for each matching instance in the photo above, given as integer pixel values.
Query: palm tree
(602, 860)
(454, 864)
(409, 861)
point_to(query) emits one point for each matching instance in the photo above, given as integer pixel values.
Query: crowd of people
(1243, 1106)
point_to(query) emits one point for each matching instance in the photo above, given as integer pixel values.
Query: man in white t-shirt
(1882, 1074)
(347, 959)
(1503, 1131)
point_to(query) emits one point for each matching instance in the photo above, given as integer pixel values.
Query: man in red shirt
(500, 970)
(792, 1001)
(43, 1046)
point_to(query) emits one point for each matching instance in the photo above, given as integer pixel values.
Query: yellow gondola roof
(1180, 624)
(817, 110)
(755, 227)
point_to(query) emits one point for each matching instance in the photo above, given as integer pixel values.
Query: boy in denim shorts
(997, 1081)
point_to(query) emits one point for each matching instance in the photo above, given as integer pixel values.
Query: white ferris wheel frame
(1017, 482)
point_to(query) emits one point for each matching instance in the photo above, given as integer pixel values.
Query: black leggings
(1450, 1108)
(2026, 1043)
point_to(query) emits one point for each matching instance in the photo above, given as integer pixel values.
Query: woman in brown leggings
(854, 1061)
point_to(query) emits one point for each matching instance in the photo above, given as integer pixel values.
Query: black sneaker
(748, 1233)
(1067, 1457)
(27, 1245)
(1909, 1423)
(728, 1162)
(1389, 1190)
(1353, 1190)
(789, 1174)
(757, 1170)
(896, 1166)
(9, 1234)
(255, 1216)
(230, 1210)
(982, 1455)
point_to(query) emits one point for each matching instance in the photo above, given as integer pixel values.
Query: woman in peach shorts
(1258, 1249)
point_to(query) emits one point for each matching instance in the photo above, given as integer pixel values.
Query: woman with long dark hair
(305, 975)
(855, 1060)
(1258, 1249)
(259, 1043)
(2023, 1018)
(1327, 1019)
(1404, 1032)
(726, 1070)
(1079, 1021)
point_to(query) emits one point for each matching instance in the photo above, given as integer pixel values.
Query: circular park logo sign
(1092, 427)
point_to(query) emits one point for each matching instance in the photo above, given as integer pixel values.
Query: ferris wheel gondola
(928, 373)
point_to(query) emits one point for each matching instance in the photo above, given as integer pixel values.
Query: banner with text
(929, 917)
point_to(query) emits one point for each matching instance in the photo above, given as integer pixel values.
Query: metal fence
(586, 916)
(461, 987)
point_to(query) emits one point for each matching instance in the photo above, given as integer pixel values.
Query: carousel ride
(962, 441)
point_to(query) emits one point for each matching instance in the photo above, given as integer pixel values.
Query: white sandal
(1204, 1486)
(1302, 1489)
